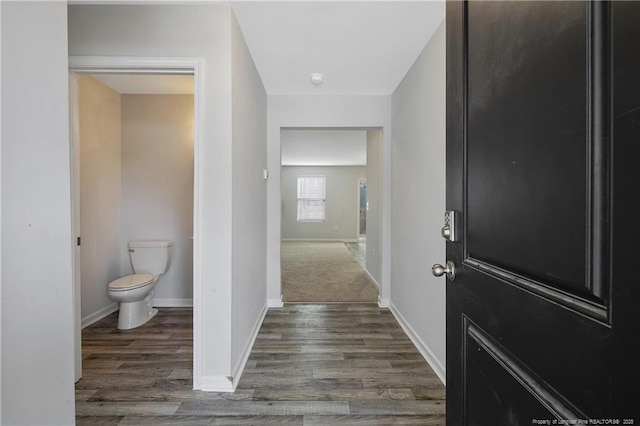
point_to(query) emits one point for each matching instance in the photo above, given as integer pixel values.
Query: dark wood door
(543, 138)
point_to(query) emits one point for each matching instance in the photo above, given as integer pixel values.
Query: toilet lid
(130, 282)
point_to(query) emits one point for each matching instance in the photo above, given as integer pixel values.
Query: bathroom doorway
(135, 154)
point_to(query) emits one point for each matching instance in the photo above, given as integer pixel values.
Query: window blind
(311, 198)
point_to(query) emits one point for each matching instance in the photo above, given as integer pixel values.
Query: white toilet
(149, 260)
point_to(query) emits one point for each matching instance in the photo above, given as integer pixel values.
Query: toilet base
(135, 314)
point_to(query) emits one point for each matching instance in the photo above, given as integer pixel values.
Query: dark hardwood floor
(311, 365)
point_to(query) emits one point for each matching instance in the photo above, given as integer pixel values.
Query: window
(311, 198)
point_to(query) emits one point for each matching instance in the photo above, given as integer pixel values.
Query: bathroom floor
(311, 364)
(140, 369)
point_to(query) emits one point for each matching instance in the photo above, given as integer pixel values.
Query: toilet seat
(131, 282)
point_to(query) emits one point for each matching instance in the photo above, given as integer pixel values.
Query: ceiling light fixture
(316, 78)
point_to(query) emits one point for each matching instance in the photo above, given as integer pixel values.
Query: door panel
(543, 133)
(527, 82)
(503, 386)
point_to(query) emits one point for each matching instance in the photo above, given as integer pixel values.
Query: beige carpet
(323, 272)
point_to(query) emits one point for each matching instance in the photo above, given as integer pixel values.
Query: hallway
(311, 364)
(324, 272)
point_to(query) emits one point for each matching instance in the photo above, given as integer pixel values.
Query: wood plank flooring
(347, 364)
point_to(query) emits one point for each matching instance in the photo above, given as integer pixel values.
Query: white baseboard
(172, 303)
(428, 355)
(229, 383)
(383, 303)
(372, 279)
(323, 240)
(275, 303)
(98, 315)
(216, 384)
(108, 310)
(238, 369)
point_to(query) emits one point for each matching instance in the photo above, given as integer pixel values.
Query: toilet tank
(150, 257)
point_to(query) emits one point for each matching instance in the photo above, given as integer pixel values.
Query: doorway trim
(142, 65)
(275, 298)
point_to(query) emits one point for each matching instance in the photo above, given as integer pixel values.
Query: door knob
(449, 269)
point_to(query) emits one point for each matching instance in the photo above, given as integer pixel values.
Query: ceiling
(361, 47)
(323, 147)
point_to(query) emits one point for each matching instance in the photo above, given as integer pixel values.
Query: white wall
(418, 198)
(375, 203)
(100, 223)
(196, 31)
(341, 207)
(37, 297)
(157, 187)
(249, 125)
(309, 147)
(323, 111)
